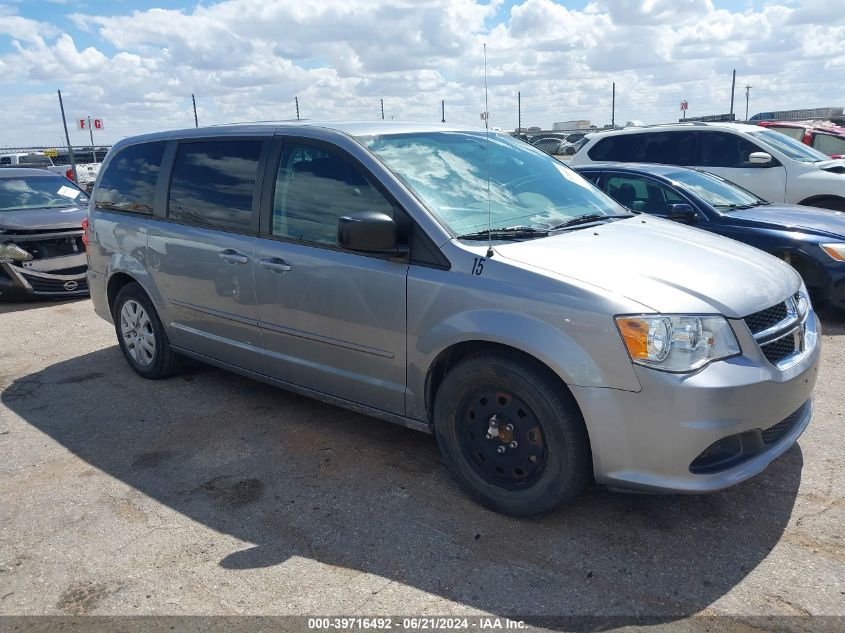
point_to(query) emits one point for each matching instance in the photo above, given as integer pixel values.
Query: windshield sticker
(68, 192)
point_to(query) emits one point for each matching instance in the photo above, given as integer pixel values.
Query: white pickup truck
(86, 173)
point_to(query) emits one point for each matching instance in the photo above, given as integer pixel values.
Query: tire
(521, 404)
(141, 336)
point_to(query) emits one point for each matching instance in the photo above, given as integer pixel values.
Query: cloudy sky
(136, 63)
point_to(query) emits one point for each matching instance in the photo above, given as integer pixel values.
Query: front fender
(604, 364)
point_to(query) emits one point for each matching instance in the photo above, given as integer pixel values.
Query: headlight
(836, 251)
(13, 252)
(677, 343)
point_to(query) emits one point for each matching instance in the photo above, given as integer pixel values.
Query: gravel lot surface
(208, 493)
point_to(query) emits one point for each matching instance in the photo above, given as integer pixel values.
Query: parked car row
(773, 166)
(86, 173)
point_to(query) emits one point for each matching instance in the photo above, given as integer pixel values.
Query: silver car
(458, 283)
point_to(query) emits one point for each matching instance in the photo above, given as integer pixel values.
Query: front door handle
(231, 256)
(276, 264)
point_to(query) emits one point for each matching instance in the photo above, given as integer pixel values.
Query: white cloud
(248, 59)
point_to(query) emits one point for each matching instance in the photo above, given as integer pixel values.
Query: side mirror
(759, 158)
(368, 232)
(682, 213)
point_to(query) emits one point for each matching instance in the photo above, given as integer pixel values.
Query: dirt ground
(210, 494)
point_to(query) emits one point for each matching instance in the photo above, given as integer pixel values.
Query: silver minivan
(460, 283)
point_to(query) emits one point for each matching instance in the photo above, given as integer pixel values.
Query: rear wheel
(511, 435)
(141, 336)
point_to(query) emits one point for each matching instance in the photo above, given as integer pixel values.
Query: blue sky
(137, 63)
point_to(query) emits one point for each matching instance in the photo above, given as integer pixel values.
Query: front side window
(129, 181)
(315, 186)
(213, 183)
(829, 143)
(722, 149)
(470, 181)
(789, 147)
(641, 194)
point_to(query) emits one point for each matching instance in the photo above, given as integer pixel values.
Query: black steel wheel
(503, 438)
(511, 434)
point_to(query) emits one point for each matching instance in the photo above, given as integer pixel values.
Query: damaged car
(42, 255)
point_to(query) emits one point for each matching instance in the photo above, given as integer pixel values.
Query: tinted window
(829, 144)
(315, 187)
(213, 183)
(667, 148)
(612, 148)
(5, 160)
(721, 149)
(130, 179)
(642, 194)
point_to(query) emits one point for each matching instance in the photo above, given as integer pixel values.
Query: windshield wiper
(587, 218)
(506, 233)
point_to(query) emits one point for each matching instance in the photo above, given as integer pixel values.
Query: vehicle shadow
(833, 321)
(299, 478)
(7, 307)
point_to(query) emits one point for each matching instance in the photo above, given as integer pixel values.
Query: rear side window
(612, 148)
(721, 149)
(5, 160)
(213, 183)
(314, 188)
(129, 181)
(666, 148)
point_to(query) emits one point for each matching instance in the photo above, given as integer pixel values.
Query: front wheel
(141, 336)
(511, 434)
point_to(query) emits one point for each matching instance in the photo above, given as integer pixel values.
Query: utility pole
(296, 101)
(67, 138)
(196, 121)
(93, 151)
(613, 108)
(747, 94)
(382, 109)
(442, 110)
(733, 89)
(519, 112)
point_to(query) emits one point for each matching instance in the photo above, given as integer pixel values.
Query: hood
(836, 166)
(792, 216)
(42, 219)
(664, 266)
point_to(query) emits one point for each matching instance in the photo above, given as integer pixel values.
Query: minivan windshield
(789, 146)
(39, 192)
(721, 194)
(449, 171)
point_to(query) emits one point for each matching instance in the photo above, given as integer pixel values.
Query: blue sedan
(812, 240)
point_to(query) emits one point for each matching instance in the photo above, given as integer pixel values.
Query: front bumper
(59, 277)
(648, 440)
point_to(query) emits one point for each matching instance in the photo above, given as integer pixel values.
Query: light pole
(747, 93)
